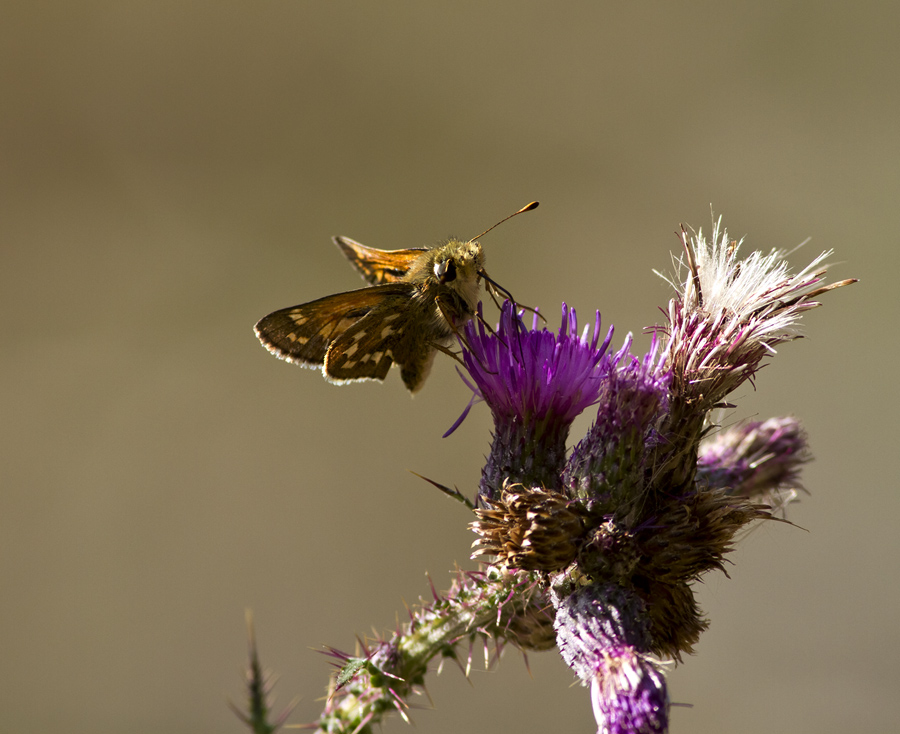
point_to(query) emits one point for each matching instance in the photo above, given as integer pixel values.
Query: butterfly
(417, 299)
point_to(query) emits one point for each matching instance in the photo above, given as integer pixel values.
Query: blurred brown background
(170, 172)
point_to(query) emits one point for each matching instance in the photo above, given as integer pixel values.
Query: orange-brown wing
(379, 266)
(302, 334)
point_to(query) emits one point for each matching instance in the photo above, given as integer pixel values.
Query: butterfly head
(457, 261)
(457, 267)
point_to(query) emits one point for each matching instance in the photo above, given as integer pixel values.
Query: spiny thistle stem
(259, 688)
(493, 606)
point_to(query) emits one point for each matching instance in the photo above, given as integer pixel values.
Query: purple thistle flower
(603, 635)
(758, 459)
(607, 466)
(730, 312)
(535, 382)
(727, 317)
(629, 695)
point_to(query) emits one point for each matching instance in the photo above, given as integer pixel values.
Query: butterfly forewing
(302, 334)
(379, 266)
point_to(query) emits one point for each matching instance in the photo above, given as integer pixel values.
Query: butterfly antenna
(526, 208)
(493, 286)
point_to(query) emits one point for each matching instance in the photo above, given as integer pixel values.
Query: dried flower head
(730, 313)
(529, 528)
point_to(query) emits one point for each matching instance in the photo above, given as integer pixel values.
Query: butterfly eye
(445, 271)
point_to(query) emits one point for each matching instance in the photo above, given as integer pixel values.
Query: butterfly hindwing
(387, 335)
(360, 353)
(379, 266)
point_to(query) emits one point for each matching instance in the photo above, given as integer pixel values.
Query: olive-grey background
(173, 171)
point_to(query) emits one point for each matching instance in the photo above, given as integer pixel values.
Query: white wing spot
(390, 317)
(297, 339)
(345, 324)
(376, 356)
(386, 331)
(358, 336)
(352, 350)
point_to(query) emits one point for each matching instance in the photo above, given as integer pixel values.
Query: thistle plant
(595, 550)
